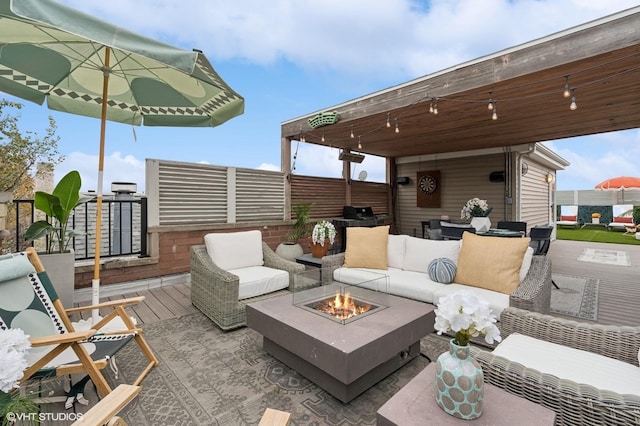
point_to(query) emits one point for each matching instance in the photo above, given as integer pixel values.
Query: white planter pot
(289, 250)
(60, 268)
(481, 223)
(595, 220)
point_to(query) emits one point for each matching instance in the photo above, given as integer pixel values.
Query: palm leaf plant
(58, 205)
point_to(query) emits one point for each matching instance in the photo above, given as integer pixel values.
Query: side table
(308, 260)
(415, 404)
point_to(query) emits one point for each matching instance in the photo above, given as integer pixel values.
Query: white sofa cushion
(414, 285)
(497, 301)
(571, 364)
(373, 279)
(526, 263)
(235, 250)
(419, 253)
(395, 250)
(258, 280)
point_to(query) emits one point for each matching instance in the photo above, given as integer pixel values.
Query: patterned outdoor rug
(605, 257)
(576, 297)
(207, 377)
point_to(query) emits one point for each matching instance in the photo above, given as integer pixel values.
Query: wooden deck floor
(619, 291)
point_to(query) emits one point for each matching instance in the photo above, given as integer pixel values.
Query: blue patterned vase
(459, 383)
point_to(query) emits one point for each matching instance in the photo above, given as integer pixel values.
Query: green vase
(459, 383)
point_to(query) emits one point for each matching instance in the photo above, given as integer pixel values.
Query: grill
(354, 216)
(357, 213)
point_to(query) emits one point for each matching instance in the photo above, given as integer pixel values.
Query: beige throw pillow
(492, 263)
(367, 247)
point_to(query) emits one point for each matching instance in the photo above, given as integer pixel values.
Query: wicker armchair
(533, 293)
(574, 403)
(214, 291)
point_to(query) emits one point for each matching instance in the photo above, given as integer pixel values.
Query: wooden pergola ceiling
(601, 60)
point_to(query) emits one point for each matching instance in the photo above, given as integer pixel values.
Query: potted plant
(291, 248)
(478, 211)
(595, 217)
(322, 237)
(58, 258)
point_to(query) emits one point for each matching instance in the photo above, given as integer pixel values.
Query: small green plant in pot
(58, 205)
(290, 249)
(301, 227)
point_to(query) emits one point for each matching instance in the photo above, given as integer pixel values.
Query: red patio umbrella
(620, 182)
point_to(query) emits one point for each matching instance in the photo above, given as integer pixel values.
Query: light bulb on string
(431, 106)
(388, 122)
(566, 93)
(494, 116)
(397, 128)
(352, 135)
(435, 107)
(490, 105)
(322, 139)
(574, 105)
(359, 143)
(302, 138)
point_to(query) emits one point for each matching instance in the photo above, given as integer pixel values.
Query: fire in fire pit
(342, 307)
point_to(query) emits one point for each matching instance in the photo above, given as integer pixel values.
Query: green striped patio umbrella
(82, 65)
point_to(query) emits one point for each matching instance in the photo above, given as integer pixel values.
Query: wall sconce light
(549, 177)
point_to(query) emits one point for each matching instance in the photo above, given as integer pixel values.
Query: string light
(302, 138)
(322, 139)
(490, 105)
(566, 92)
(433, 105)
(359, 143)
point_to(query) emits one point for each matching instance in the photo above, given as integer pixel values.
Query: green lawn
(598, 235)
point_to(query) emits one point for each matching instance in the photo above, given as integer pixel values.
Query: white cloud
(396, 38)
(359, 42)
(597, 157)
(117, 168)
(268, 166)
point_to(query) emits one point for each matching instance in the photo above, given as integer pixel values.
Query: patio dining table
(507, 233)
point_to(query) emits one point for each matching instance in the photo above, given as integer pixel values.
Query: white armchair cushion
(235, 250)
(571, 364)
(419, 253)
(259, 280)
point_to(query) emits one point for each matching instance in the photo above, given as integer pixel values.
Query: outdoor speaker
(496, 177)
(403, 180)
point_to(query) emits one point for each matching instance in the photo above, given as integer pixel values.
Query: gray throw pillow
(442, 270)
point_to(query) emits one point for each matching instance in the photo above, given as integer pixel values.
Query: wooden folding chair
(28, 301)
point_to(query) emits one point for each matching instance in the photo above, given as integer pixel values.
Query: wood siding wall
(461, 179)
(535, 195)
(329, 195)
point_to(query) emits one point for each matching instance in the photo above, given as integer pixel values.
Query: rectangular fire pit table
(345, 359)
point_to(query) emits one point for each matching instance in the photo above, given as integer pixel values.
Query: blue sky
(288, 58)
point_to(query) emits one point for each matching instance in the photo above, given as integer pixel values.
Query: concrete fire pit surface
(345, 360)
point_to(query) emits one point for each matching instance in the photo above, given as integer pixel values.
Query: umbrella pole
(95, 283)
